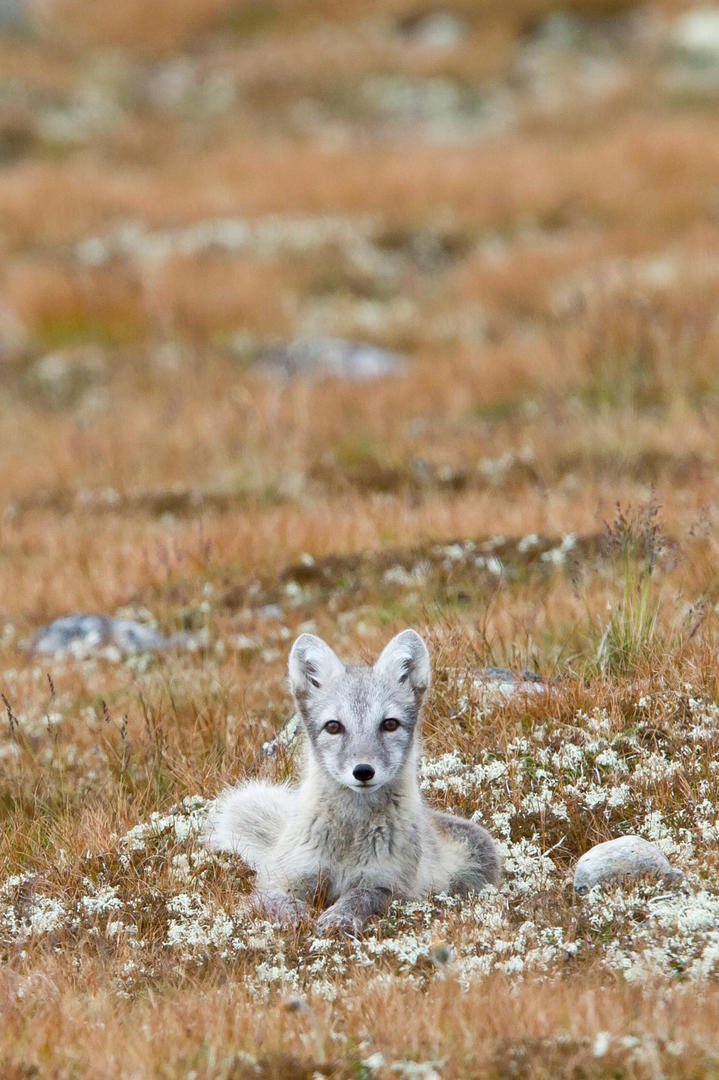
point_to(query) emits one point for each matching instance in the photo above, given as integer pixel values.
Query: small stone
(15, 17)
(502, 674)
(332, 358)
(498, 684)
(627, 856)
(82, 635)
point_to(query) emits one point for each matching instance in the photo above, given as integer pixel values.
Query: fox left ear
(406, 660)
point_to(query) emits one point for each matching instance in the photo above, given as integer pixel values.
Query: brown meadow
(526, 211)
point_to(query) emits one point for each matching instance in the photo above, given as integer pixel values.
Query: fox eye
(333, 727)
(389, 724)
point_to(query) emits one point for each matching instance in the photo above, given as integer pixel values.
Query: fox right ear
(312, 665)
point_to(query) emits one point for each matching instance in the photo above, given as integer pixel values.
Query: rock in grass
(498, 684)
(82, 635)
(625, 857)
(15, 17)
(332, 358)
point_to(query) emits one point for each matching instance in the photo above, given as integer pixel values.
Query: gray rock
(15, 17)
(625, 857)
(82, 635)
(503, 674)
(332, 357)
(498, 684)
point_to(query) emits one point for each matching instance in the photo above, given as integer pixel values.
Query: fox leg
(482, 866)
(249, 821)
(350, 913)
(279, 906)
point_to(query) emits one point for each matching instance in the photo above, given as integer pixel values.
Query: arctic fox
(355, 832)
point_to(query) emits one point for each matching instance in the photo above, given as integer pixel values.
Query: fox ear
(312, 664)
(406, 660)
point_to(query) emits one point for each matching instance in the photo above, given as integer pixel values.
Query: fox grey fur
(355, 830)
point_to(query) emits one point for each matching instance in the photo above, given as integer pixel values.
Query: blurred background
(282, 277)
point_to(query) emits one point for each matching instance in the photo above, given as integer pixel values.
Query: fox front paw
(339, 919)
(280, 907)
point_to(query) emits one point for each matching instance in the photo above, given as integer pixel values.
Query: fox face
(360, 721)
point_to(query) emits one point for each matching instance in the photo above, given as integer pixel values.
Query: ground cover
(519, 203)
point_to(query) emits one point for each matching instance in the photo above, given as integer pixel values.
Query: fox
(355, 833)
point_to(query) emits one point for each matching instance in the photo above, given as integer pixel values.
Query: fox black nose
(363, 773)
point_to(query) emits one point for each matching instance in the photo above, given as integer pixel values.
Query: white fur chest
(345, 841)
(378, 851)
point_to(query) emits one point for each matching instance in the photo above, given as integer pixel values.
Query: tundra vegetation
(519, 203)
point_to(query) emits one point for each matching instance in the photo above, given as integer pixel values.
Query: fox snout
(363, 773)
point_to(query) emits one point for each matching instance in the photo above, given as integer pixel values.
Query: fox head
(360, 721)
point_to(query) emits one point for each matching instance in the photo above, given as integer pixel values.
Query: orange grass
(207, 1028)
(553, 289)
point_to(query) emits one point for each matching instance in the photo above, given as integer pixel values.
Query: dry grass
(186, 1033)
(529, 218)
